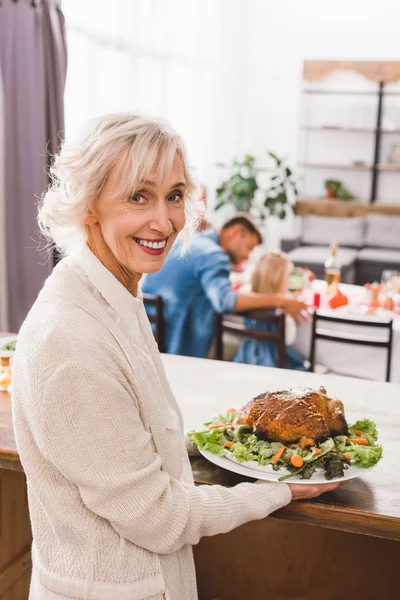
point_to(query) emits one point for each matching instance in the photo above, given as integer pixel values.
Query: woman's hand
(305, 492)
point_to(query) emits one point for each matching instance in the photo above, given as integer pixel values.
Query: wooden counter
(15, 530)
(368, 505)
(343, 544)
(338, 546)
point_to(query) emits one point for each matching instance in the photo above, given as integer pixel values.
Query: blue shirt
(194, 286)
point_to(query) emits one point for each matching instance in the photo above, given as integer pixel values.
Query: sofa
(368, 244)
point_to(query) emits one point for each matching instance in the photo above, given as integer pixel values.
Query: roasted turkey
(296, 415)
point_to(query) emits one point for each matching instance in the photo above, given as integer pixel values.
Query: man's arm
(253, 301)
(213, 271)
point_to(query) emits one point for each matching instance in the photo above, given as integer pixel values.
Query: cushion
(383, 231)
(308, 256)
(346, 231)
(380, 255)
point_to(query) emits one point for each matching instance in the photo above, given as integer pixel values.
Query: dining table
(336, 357)
(346, 359)
(340, 545)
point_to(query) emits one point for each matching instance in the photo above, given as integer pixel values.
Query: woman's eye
(138, 199)
(176, 197)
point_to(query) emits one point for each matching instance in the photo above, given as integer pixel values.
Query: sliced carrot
(231, 410)
(229, 444)
(357, 432)
(278, 454)
(347, 455)
(317, 452)
(297, 460)
(358, 441)
(220, 425)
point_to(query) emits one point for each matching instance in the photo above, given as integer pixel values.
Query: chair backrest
(157, 318)
(344, 337)
(275, 316)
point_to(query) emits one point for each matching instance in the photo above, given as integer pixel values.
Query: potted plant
(335, 189)
(332, 186)
(282, 190)
(239, 189)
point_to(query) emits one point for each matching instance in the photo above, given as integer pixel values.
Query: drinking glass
(387, 278)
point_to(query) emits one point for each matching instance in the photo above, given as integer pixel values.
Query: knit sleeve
(91, 430)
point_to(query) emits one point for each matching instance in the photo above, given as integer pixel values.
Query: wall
(279, 37)
(238, 85)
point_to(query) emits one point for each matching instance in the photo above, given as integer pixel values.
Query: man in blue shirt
(195, 285)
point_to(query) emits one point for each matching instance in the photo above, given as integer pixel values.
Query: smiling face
(133, 235)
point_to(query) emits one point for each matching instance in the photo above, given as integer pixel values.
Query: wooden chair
(343, 337)
(275, 316)
(157, 318)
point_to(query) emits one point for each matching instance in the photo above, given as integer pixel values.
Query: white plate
(253, 469)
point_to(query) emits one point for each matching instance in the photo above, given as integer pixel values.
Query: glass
(5, 371)
(387, 278)
(332, 270)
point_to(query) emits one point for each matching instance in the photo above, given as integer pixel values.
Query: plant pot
(331, 195)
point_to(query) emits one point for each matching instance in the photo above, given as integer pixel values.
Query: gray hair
(132, 144)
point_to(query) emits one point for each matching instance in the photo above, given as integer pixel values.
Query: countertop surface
(204, 388)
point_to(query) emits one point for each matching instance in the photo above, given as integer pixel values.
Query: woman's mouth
(153, 247)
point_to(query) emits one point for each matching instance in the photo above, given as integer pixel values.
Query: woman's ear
(90, 218)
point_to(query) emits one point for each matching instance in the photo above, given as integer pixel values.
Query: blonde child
(270, 276)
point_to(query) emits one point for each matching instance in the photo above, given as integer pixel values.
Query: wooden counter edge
(343, 519)
(307, 512)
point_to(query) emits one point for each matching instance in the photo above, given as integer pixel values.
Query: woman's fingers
(304, 492)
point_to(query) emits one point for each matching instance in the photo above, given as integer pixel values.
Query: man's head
(239, 236)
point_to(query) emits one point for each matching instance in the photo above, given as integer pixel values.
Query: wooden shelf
(367, 167)
(317, 165)
(346, 129)
(348, 93)
(381, 74)
(388, 167)
(344, 92)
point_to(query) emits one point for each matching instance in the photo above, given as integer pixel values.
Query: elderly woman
(113, 507)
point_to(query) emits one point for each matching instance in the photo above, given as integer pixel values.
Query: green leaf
(220, 204)
(281, 198)
(282, 214)
(288, 172)
(275, 157)
(249, 159)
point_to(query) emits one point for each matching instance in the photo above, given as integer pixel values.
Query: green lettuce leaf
(364, 456)
(368, 428)
(340, 443)
(212, 440)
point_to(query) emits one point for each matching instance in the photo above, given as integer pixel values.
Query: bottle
(332, 270)
(5, 373)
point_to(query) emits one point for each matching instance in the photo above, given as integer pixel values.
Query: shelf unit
(380, 73)
(361, 167)
(338, 128)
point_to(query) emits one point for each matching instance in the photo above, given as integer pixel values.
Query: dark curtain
(33, 65)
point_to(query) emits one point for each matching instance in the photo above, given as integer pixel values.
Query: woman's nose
(160, 220)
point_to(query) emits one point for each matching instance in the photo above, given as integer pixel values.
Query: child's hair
(269, 273)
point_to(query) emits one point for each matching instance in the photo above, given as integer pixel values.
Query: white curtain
(182, 60)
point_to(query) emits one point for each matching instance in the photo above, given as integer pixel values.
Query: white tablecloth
(347, 359)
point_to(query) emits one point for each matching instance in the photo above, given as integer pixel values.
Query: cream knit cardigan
(110, 520)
